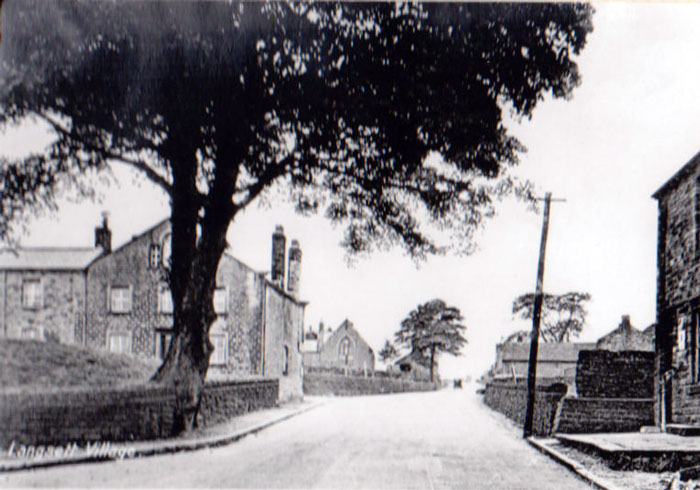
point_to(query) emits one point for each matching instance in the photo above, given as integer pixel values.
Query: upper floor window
(120, 299)
(32, 294)
(154, 259)
(165, 299)
(218, 356)
(119, 342)
(344, 348)
(166, 248)
(220, 300)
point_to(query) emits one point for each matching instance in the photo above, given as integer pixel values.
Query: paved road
(446, 439)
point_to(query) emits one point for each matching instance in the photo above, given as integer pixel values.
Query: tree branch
(108, 155)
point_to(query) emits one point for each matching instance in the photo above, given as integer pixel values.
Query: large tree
(564, 315)
(431, 329)
(340, 103)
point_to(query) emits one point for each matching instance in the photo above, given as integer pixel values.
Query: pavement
(638, 442)
(19, 457)
(548, 446)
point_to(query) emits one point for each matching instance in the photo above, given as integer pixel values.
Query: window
(32, 294)
(120, 299)
(220, 350)
(165, 299)
(120, 342)
(220, 300)
(163, 339)
(694, 346)
(31, 333)
(285, 360)
(166, 247)
(154, 259)
(344, 348)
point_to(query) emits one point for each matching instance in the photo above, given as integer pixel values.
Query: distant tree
(337, 103)
(563, 315)
(388, 352)
(518, 337)
(431, 329)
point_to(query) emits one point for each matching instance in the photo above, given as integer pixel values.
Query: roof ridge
(48, 249)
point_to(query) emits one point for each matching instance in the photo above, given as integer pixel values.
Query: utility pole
(536, 314)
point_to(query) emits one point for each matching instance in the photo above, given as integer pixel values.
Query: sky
(631, 124)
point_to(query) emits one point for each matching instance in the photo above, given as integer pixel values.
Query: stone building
(678, 297)
(627, 338)
(555, 361)
(119, 300)
(343, 349)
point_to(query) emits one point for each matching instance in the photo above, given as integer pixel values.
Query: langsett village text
(103, 449)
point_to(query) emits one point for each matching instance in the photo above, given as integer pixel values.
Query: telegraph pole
(536, 314)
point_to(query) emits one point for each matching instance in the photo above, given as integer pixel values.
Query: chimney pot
(279, 243)
(294, 271)
(103, 235)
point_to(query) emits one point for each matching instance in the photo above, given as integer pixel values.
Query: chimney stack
(103, 235)
(294, 271)
(279, 243)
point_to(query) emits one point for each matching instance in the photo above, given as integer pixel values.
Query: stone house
(343, 349)
(627, 338)
(678, 297)
(119, 300)
(42, 292)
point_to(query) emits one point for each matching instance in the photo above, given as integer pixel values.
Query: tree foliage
(388, 352)
(431, 329)
(563, 316)
(338, 103)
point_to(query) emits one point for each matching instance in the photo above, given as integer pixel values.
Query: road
(445, 439)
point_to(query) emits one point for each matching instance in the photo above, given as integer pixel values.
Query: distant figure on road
(457, 384)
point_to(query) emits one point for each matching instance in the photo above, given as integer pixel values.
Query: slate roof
(565, 352)
(40, 258)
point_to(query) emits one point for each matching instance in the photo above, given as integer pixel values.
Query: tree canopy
(431, 329)
(339, 103)
(563, 317)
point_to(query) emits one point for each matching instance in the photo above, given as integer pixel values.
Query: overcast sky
(631, 124)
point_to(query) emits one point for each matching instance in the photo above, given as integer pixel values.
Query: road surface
(445, 439)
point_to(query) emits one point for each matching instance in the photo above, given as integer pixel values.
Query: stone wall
(556, 413)
(606, 374)
(511, 400)
(132, 413)
(329, 384)
(589, 415)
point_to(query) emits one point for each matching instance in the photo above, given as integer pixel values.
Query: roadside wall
(120, 414)
(329, 384)
(589, 415)
(606, 374)
(511, 401)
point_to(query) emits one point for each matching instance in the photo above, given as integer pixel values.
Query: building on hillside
(556, 361)
(119, 300)
(343, 349)
(627, 338)
(678, 297)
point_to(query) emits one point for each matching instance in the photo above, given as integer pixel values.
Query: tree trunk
(187, 360)
(432, 362)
